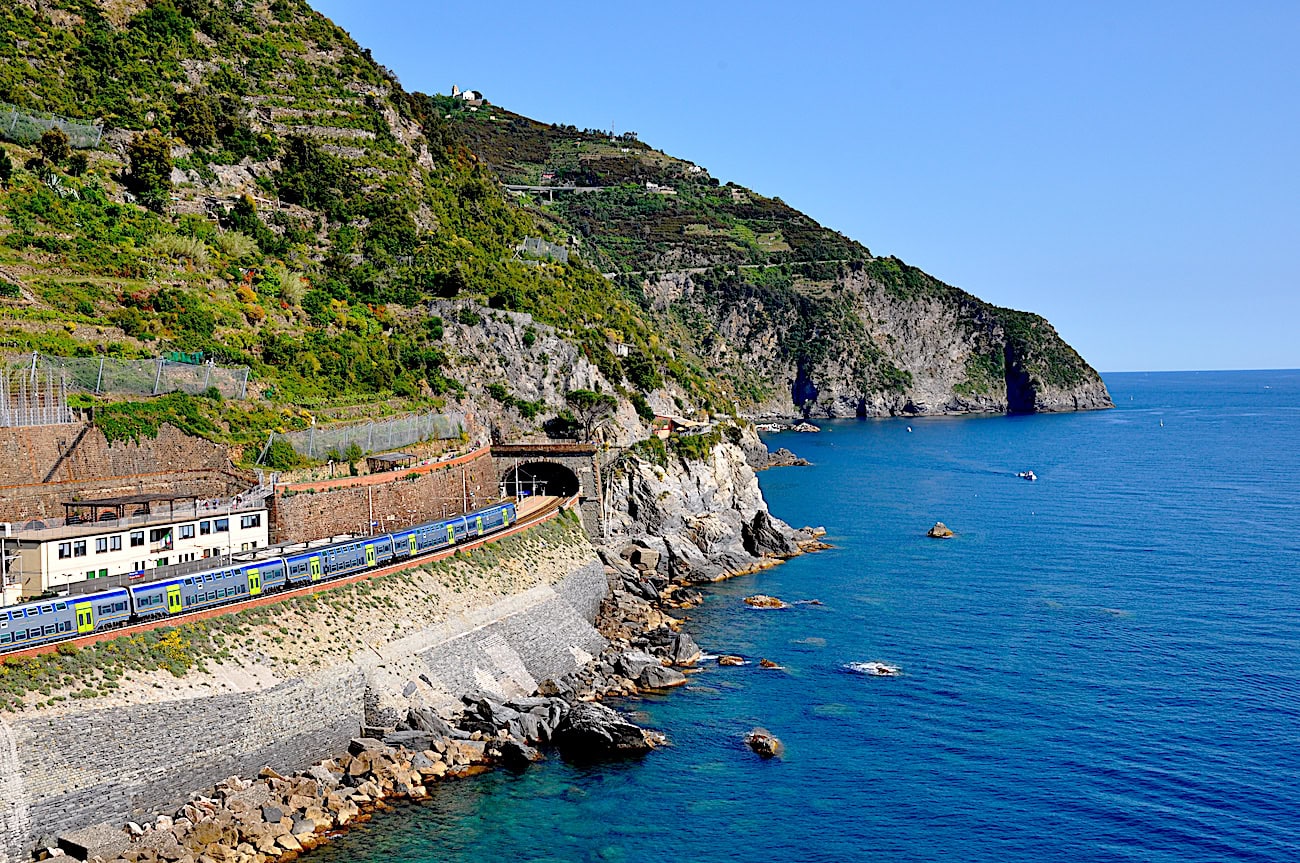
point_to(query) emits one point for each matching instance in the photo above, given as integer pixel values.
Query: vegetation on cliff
(268, 194)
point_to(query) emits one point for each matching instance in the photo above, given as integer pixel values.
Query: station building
(124, 536)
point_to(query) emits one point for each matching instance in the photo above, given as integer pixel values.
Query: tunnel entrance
(540, 477)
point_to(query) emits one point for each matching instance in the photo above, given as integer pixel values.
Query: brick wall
(298, 516)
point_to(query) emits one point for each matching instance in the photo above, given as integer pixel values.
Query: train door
(411, 538)
(370, 555)
(313, 564)
(505, 517)
(480, 525)
(173, 599)
(85, 618)
(254, 582)
(451, 535)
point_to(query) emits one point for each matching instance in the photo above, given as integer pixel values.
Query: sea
(1102, 665)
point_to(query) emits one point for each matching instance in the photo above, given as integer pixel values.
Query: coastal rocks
(769, 664)
(763, 537)
(731, 660)
(764, 743)
(874, 669)
(784, 458)
(805, 427)
(592, 731)
(762, 600)
(940, 531)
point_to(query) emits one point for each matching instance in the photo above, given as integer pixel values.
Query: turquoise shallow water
(1103, 665)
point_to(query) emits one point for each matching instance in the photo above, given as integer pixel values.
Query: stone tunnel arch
(540, 477)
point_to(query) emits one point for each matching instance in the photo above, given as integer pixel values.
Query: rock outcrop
(699, 520)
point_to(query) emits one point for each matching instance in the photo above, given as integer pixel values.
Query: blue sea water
(1103, 665)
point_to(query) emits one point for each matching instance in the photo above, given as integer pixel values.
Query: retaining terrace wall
(79, 462)
(84, 765)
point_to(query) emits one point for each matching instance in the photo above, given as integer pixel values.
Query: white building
(49, 555)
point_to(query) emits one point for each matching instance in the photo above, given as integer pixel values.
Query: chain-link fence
(373, 436)
(24, 126)
(108, 375)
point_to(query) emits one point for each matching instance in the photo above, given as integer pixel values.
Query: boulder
(660, 677)
(762, 600)
(424, 719)
(684, 650)
(940, 531)
(645, 558)
(592, 731)
(731, 659)
(632, 663)
(763, 742)
(516, 755)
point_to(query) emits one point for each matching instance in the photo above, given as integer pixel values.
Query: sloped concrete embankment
(64, 770)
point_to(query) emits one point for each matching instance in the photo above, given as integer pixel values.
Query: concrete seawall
(65, 769)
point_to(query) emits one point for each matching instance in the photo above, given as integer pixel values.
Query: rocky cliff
(697, 517)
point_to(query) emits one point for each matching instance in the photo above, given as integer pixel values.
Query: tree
(53, 145)
(150, 155)
(195, 121)
(591, 409)
(6, 168)
(78, 163)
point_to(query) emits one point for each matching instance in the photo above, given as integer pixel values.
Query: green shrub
(176, 247)
(235, 246)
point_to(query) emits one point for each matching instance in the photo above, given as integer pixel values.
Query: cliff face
(701, 519)
(856, 345)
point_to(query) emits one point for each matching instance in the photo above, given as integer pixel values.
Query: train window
(189, 581)
(33, 633)
(47, 609)
(50, 630)
(66, 626)
(121, 606)
(6, 638)
(61, 606)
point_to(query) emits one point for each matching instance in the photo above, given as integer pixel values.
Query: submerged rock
(940, 531)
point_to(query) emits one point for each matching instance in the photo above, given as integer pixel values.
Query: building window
(115, 543)
(137, 538)
(65, 550)
(251, 521)
(205, 527)
(222, 525)
(101, 545)
(79, 548)
(187, 531)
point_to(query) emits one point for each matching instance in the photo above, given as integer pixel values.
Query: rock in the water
(767, 663)
(731, 659)
(764, 742)
(632, 663)
(762, 600)
(684, 650)
(784, 458)
(516, 755)
(592, 731)
(940, 531)
(660, 677)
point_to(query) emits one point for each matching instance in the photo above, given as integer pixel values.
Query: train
(49, 620)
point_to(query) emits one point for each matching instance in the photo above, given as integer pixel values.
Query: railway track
(543, 513)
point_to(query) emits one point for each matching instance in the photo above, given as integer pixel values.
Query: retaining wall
(397, 500)
(41, 467)
(84, 766)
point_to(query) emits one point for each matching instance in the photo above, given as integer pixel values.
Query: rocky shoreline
(676, 527)
(276, 817)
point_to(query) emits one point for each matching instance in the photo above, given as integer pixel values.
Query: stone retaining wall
(80, 463)
(402, 502)
(80, 767)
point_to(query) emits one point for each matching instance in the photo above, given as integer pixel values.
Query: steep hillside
(268, 194)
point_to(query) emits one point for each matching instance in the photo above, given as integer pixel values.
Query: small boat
(1027, 474)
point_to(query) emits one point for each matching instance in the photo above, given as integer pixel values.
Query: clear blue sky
(1131, 170)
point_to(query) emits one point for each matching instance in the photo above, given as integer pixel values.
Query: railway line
(528, 516)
